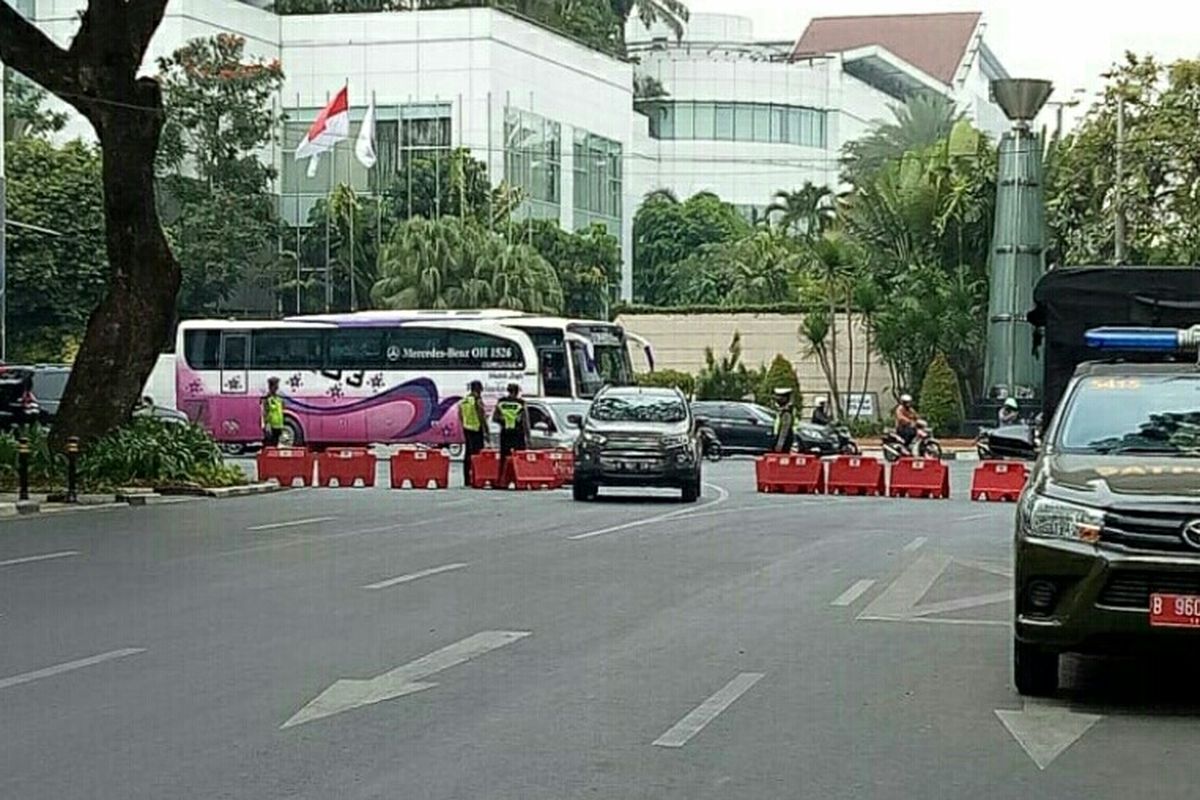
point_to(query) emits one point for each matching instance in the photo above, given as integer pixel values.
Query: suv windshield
(1134, 414)
(639, 408)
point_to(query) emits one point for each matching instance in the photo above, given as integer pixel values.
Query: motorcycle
(924, 445)
(1019, 442)
(846, 444)
(710, 445)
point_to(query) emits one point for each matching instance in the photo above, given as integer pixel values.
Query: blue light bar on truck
(1144, 339)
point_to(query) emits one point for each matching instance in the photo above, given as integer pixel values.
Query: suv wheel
(691, 492)
(583, 492)
(1035, 671)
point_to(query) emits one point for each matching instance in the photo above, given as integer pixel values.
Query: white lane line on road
(295, 523)
(425, 573)
(670, 515)
(975, 517)
(853, 593)
(707, 711)
(44, 557)
(915, 544)
(58, 669)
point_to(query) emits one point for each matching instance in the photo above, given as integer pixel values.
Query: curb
(20, 508)
(227, 491)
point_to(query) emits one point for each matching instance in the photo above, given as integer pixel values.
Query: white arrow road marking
(706, 712)
(292, 524)
(856, 591)
(58, 669)
(425, 573)
(899, 601)
(346, 694)
(43, 557)
(1045, 729)
(670, 515)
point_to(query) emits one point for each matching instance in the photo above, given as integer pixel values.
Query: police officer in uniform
(511, 417)
(474, 424)
(785, 420)
(272, 414)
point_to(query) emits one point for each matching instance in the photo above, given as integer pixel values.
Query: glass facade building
(404, 132)
(769, 123)
(598, 181)
(533, 162)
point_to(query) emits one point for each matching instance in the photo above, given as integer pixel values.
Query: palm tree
(922, 121)
(805, 212)
(834, 257)
(671, 13)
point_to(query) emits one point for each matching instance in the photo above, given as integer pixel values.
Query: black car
(750, 428)
(638, 436)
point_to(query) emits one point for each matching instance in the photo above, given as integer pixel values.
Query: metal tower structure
(1018, 244)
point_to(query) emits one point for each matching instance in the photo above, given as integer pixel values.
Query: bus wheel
(293, 435)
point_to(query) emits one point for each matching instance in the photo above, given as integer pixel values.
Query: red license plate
(1175, 610)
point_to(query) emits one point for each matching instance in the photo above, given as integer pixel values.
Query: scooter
(846, 444)
(924, 444)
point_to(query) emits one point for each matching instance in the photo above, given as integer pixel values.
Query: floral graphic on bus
(377, 382)
(296, 381)
(335, 391)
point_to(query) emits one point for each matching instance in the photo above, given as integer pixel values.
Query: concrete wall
(679, 342)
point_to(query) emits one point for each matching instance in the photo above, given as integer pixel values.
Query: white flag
(313, 162)
(364, 148)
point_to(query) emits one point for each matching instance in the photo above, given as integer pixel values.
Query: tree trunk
(126, 331)
(835, 400)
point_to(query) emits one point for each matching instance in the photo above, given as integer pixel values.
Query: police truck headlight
(1045, 518)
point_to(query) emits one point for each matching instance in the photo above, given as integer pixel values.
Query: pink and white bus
(385, 376)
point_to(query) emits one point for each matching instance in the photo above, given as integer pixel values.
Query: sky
(1070, 42)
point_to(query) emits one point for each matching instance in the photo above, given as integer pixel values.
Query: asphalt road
(519, 645)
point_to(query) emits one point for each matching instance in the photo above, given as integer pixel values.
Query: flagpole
(378, 196)
(328, 214)
(299, 260)
(353, 209)
(408, 159)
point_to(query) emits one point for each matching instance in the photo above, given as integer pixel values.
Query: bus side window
(555, 380)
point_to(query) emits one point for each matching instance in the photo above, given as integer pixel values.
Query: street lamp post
(1018, 244)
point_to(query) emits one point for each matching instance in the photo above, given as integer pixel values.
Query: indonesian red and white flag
(331, 126)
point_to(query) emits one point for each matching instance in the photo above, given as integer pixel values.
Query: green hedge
(781, 373)
(668, 378)
(145, 452)
(636, 309)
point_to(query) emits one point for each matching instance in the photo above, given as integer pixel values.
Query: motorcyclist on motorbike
(821, 415)
(785, 420)
(906, 420)
(1010, 412)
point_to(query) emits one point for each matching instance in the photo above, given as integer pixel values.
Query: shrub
(781, 373)
(727, 378)
(145, 452)
(940, 401)
(668, 378)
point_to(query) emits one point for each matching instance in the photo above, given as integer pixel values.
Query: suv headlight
(1053, 519)
(596, 439)
(676, 440)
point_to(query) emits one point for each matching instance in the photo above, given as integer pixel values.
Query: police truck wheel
(1035, 671)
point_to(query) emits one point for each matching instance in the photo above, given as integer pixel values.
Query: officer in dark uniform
(510, 415)
(785, 420)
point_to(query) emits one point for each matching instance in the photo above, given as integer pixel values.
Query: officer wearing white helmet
(785, 420)
(1010, 412)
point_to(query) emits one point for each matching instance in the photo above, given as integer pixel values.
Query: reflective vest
(472, 415)
(274, 404)
(510, 413)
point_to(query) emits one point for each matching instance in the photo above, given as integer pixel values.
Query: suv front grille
(1132, 589)
(634, 444)
(1145, 530)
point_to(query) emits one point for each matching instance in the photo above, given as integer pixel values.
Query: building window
(402, 133)
(742, 122)
(598, 181)
(533, 161)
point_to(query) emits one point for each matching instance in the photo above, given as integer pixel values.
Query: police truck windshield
(1137, 414)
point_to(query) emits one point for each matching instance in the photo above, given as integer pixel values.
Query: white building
(742, 118)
